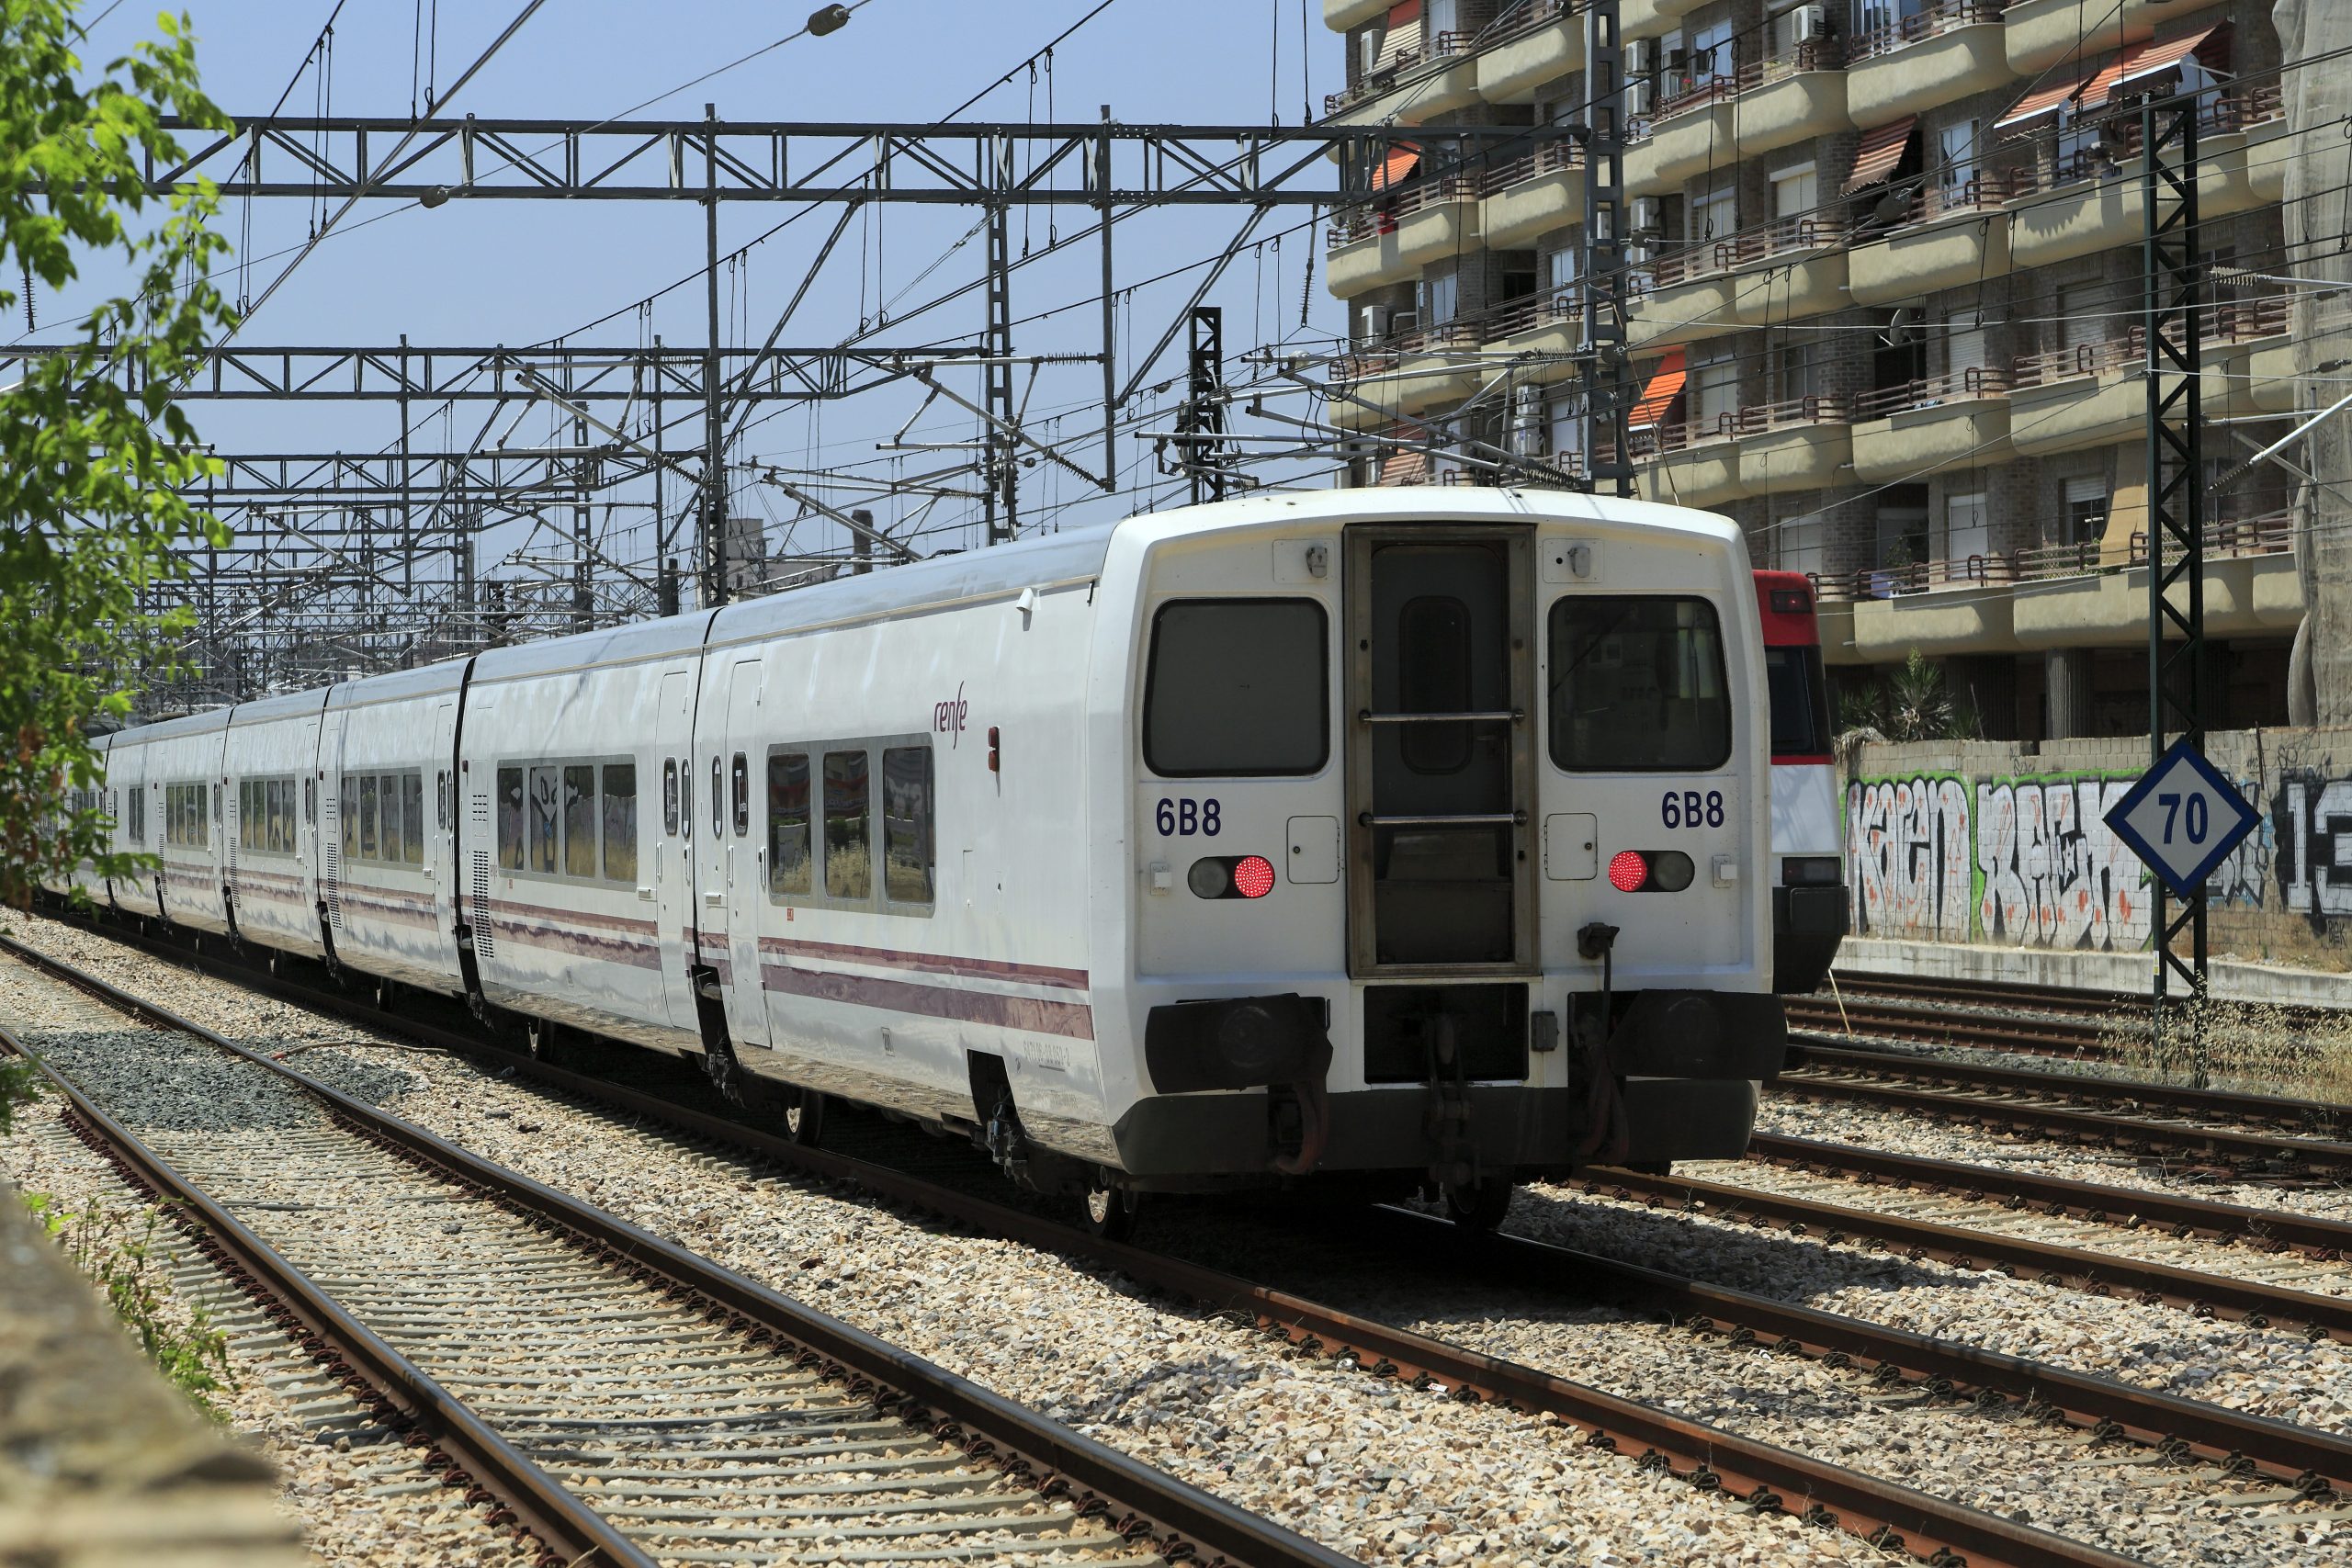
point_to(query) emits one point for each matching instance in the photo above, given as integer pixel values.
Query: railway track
(2153, 1118)
(2307, 1463)
(549, 1354)
(1926, 1023)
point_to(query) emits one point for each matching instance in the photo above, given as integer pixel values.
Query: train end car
(1809, 908)
(1437, 829)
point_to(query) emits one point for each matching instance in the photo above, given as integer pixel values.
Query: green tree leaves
(93, 450)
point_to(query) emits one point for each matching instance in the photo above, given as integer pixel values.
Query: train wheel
(804, 1116)
(1109, 1211)
(1481, 1207)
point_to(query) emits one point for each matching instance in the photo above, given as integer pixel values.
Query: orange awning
(1404, 468)
(1404, 15)
(2139, 60)
(1658, 393)
(1397, 167)
(1881, 152)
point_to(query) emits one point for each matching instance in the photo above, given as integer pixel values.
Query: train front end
(1448, 840)
(1808, 835)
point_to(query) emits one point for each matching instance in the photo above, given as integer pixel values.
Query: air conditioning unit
(1809, 23)
(1650, 217)
(1377, 320)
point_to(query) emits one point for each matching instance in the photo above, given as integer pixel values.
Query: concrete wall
(2006, 843)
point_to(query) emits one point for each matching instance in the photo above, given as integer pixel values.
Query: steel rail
(2099, 1273)
(2262, 1150)
(1759, 1474)
(2062, 1198)
(2312, 1461)
(1826, 1019)
(2081, 1002)
(1182, 1521)
(568, 1530)
(2227, 1105)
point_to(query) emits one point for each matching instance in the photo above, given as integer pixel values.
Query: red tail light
(1627, 871)
(1253, 876)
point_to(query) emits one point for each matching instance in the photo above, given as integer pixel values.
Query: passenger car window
(388, 814)
(849, 849)
(1637, 684)
(669, 795)
(788, 865)
(580, 821)
(510, 818)
(619, 801)
(545, 818)
(412, 813)
(906, 825)
(1237, 687)
(1799, 705)
(367, 816)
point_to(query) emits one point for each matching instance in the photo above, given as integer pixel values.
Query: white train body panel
(187, 817)
(386, 822)
(1805, 819)
(580, 915)
(977, 839)
(272, 764)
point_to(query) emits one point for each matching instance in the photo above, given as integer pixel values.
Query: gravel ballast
(1377, 1471)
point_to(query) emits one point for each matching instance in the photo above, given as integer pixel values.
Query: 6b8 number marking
(1688, 808)
(1182, 817)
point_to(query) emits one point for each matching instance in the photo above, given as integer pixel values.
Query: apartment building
(1884, 310)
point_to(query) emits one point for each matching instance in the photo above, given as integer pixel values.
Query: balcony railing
(2226, 321)
(1784, 234)
(1985, 191)
(1532, 17)
(2268, 533)
(1551, 158)
(1695, 432)
(1793, 412)
(2102, 156)
(1364, 222)
(1547, 308)
(1398, 68)
(1956, 386)
(1702, 260)
(1900, 31)
(1696, 94)
(1809, 54)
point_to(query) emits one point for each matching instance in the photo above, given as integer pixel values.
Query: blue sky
(489, 272)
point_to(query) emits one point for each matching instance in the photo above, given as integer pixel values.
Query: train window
(245, 814)
(350, 801)
(619, 803)
(216, 800)
(391, 828)
(310, 801)
(669, 796)
(742, 777)
(717, 803)
(544, 821)
(412, 813)
(686, 798)
(441, 799)
(1637, 684)
(1800, 704)
(849, 845)
(510, 818)
(580, 821)
(1436, 680)
(1237, 687)
(371, 825)
(281, 815)
(906, 825)
(788, 865)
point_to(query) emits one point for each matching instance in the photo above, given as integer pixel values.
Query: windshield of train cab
(1637, 684)
(1800, 704)
(1237, 688)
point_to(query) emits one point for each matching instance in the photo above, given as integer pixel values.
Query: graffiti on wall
(2311, 815)
(2030, 861)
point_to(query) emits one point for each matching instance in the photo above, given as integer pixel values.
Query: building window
(1902, 536)
(1956, 155)
(1439, 293)
(1714, 400)
(1968, 533)
(1801, 543)
(2084, 510)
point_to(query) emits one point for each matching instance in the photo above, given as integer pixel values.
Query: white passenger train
(1411, 836)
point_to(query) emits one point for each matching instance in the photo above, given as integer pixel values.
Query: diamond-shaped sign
(2182, 818)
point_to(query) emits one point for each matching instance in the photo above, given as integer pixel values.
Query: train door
(441, 853)
(673, 863)
(746, 846)
(1441, 752)
(329, 778)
